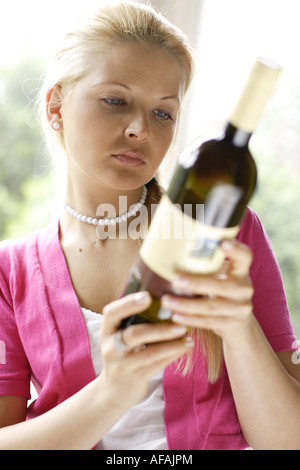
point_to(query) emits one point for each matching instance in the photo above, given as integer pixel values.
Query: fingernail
(227, 245)
(142, 297)
(177, 318)
(169, 302)
(181, 283)
(222, 276)
(179, 330)
(164, 314)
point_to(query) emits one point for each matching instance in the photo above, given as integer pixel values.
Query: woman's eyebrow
(174, 97)
(112, 83)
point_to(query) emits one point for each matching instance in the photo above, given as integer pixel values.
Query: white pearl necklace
(117, 220)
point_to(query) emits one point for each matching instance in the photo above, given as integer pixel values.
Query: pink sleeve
(269, 301)
(14, 367)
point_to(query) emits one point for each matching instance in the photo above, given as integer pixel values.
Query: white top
(142, 427)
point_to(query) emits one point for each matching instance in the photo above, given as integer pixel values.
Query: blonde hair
(125, 21)
(121, 22)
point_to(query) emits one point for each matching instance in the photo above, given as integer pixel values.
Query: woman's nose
(138, 128)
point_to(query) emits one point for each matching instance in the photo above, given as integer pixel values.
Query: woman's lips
(133, 159)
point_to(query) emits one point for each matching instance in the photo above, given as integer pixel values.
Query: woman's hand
(223, 302)
(128, 372)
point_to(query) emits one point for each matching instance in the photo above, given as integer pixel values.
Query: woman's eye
(114, 102)
(162, 115)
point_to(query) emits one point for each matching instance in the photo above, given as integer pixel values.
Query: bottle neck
(238, 137)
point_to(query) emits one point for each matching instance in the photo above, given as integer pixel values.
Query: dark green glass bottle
(205, 202)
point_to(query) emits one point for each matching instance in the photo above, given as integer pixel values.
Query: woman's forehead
(133, 64)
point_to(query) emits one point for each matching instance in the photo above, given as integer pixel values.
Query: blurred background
(227, 37)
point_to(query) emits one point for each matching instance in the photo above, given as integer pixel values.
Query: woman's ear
(53, 107)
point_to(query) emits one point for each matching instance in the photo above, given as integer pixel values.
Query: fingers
(134, 337)
(127, 373)
(236, 288)
(227, 317)
(209, 313)
(145, 334)
(204, 305)
(133, 370)
(227, 294)
(232, 280)
(145, 350)
(222, 301)
(157, 356)
(240, 257)
(212, 286)
(117, 310)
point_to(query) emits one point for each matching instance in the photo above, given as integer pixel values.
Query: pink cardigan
(45, 339)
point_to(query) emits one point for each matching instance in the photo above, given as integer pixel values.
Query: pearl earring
(56, 125)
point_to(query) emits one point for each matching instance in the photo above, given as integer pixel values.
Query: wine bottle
(205, 202)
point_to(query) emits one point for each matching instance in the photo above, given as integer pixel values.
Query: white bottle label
(178, 242)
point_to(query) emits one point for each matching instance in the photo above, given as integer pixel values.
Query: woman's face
(120, 119)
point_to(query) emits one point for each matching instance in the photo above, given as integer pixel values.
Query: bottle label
(178, 242)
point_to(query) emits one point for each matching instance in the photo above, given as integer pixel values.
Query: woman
(112, 104)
